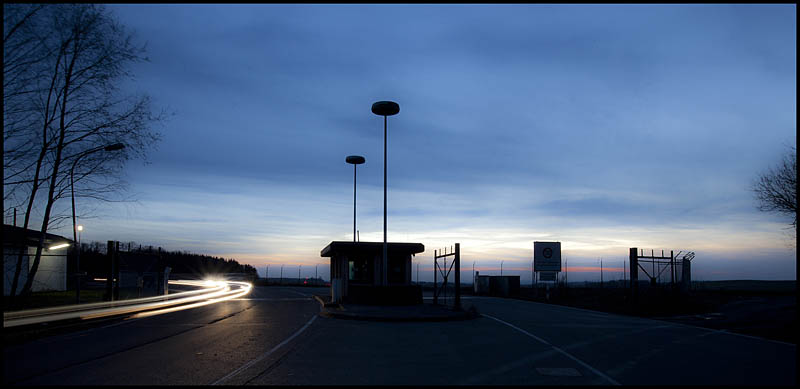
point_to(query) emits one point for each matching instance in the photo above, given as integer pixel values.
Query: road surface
(275, 336)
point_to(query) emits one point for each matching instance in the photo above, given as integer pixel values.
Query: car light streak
(229, 296)
(210, 291)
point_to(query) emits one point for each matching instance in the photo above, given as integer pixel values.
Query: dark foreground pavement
(519, 342)
(276, 336)
(195, 347)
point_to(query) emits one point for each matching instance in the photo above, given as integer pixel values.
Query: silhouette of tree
(62, 67)
(95, 261)
(776, 189)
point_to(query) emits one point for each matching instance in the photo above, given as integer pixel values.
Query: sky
(603, 127)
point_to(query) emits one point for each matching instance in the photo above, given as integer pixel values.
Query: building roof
(371, 247)
(13, 236)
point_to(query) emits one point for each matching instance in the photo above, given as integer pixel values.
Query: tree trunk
(56, 164)
(35, 187)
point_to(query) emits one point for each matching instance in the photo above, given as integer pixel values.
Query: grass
(59, 298)
(758, 309)
(51, 299)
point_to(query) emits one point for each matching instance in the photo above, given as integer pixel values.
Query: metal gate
(444, 271)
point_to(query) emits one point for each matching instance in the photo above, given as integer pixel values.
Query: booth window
(359, 271)
(397, 270)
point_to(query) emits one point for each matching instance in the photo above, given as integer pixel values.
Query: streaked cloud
(601, 126)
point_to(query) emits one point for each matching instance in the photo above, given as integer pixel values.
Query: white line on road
(645, 318)
(568, 355)
(254, 361)
(716, 331)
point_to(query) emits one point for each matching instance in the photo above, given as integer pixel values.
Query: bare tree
(68, 105)
(776, 189)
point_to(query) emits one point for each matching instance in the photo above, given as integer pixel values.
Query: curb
(326, 304)
(334, 310)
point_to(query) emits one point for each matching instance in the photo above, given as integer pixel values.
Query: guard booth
(358, 274)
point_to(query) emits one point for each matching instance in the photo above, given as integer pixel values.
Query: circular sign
(548, 252)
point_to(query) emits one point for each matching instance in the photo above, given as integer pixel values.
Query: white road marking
(646, 318)
(568, 355)
(716, 331)
(254, 361)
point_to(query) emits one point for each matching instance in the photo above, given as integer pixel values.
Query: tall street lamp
(385, 108)
(355, 160)
(111, 147)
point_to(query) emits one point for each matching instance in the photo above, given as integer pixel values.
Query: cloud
(605, 127)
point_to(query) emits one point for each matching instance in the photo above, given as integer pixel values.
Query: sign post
(547, 260)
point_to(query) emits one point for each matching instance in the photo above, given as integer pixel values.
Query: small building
(496, 285)
(358, 274)
(52, 272)
(142, 274)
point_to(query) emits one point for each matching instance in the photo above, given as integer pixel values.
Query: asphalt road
(196, 346)
(275, 336)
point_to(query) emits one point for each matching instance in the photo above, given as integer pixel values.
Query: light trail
(210, 292)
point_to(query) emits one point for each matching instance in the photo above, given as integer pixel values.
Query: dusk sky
(603, 127)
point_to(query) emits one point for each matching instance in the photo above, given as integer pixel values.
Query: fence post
(116, 270)
(435, 279)
(110, 275)
(634, 269)
(458, 277)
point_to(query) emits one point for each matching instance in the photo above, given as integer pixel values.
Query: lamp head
(385, 108)
(355, 159)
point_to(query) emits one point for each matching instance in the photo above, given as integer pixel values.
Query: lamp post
(281, 279)
(385, 109)
(111, 147)
(355, 160)
(501, 267)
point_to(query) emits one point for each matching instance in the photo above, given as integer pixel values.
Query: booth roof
(371, 247)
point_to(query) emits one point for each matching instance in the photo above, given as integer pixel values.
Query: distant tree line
(94, 260)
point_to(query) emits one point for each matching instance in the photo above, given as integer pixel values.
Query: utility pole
(385, 109)
(601, 272)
